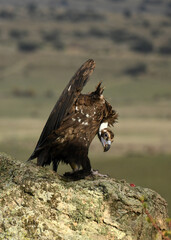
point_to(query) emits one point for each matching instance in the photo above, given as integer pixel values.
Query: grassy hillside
(41, 47)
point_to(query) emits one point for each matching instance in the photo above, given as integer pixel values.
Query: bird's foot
(82, 174)
(77, 175)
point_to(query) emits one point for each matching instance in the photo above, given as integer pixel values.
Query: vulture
(72, 125)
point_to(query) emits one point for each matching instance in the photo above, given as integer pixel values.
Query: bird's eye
(106, 135)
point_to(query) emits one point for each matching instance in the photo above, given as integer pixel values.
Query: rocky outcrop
(35, 203)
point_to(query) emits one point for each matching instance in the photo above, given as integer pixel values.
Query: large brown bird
(72, 125)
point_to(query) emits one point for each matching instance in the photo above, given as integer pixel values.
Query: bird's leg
(55, 164)
(80, 174)
(75, 167)
(86, 166)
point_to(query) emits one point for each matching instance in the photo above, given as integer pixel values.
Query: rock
(36, 203)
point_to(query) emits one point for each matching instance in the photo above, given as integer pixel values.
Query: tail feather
(32, 157)
(44, 158)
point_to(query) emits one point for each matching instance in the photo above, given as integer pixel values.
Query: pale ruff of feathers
(103, 126)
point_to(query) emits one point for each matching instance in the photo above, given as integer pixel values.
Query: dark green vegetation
(41, 46)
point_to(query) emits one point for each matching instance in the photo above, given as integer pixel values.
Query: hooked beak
(106, 144)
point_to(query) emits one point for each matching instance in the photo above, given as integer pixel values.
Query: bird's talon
(67, 174)
(77, 175)
(96, 173)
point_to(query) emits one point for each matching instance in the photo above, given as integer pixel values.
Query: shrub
(155, 2)
(146, 23)
(155, 32)
(77, 16)
(97, 33)
(59, 45)
(127, 13)
(117, 0)
(31, 8)
(142, 8)
(6, 14)
(136, 70)
(165, 23)
(79, 34)
(51, 35)
(169, 4)
(165, 49)
(17, 33)
(122, 35)
(142, 45)
(28, 46)
(49, 94)
(159, 96)
(23, 93)
(168, 13)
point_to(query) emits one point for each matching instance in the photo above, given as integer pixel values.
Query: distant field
(19, 135)
(40, 52)
(45, 74)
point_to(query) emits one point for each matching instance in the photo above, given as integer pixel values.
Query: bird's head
(106, 136)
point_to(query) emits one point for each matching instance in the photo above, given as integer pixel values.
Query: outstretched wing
(65, 102)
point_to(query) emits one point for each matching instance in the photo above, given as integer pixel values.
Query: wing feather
(65, 102)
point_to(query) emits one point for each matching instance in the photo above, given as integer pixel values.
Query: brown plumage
(72, 125)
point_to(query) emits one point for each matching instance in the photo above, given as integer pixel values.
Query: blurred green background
(43, 43)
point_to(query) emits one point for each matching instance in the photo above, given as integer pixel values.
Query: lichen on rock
(36, 203)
